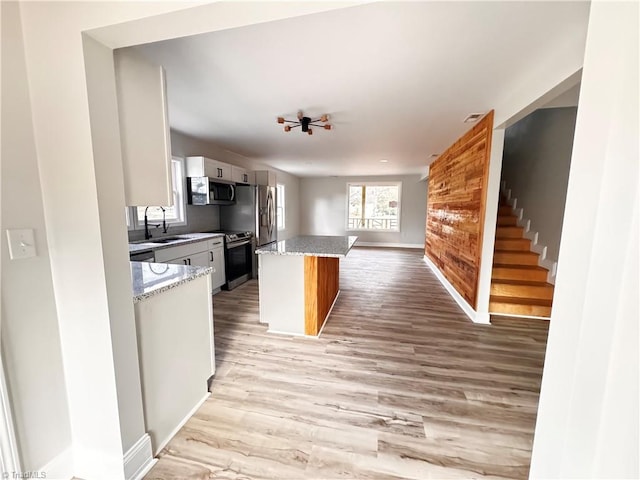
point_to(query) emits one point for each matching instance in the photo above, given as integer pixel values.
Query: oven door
(238, 263)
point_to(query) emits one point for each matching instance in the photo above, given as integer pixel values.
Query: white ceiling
(397, 79)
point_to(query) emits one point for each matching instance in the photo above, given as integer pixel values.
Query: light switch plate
(21, 244)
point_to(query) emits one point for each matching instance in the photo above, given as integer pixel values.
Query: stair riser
(515, 244)
(505, 210)
(519, 274)
(509, 232)
(515, 309)
(542, 292)
(515, 258)
(504, 220)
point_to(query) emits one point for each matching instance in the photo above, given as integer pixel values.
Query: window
(174, 214)
(280, 206)
(373, 206)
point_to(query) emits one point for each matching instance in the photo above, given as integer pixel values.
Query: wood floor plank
(400, 385)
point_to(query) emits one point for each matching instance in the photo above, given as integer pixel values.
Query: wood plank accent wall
(321, 284)
(455, 208)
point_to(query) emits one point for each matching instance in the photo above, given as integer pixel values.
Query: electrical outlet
(21, 244)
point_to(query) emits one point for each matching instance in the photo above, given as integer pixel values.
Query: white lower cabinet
(208, 253)
(216, 260)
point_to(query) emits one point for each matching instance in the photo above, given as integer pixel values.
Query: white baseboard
(182, 422)
(466, 308)
(60, 467)
(138, 460)
(519, 316)
(279, 332)
(389, 245)
(550, 265)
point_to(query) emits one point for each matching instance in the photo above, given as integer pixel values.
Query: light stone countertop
(149, 279)
(185, 238)
(313, 245)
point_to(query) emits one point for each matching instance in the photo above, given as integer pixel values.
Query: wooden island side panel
(321, 284)
(456, 206)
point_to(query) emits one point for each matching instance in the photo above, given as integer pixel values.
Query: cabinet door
(178, 261)
(265, 177)
(239, 175)
(144, 130)
(222, 171)
(216, 260)
(199, 259)
(210, 169)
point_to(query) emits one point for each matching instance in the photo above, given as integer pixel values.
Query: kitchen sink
(176, 238)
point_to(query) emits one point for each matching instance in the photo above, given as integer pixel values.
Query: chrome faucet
(147, 234)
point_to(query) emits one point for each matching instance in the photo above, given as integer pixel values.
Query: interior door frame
(9, 456)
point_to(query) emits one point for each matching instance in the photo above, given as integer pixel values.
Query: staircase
(518, 285)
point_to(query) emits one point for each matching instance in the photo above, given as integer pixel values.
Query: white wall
(105, 132)
(30, 337)
(292, 205)
(587, 423)
(537, 156)
(323, 209)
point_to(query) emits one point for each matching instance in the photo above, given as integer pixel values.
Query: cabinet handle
(185, 262)
(189, 260)
(211, 253)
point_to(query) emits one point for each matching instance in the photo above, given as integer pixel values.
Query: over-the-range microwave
(206, 191)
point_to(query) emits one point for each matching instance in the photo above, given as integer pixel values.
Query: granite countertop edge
(189, 273)
(149, 246)
(310, 246)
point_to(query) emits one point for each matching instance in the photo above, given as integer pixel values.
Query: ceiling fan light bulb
(287, 128)
(310, 132)
(300, 115)
(280, 119)
(327, 127)
(324, 118)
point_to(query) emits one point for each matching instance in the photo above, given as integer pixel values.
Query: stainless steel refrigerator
(254, 211)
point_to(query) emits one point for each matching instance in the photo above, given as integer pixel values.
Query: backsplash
(201, 218)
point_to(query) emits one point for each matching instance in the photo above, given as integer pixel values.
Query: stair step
(509, 232)
(513, 244)
(522, 289)
(515, 258)
(514, 306)
(519, 272)
(507, 220)
(505, 210)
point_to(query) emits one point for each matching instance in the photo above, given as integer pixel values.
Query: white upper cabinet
(205, 167)
(240, 175)
(144, 130)
(265, 177)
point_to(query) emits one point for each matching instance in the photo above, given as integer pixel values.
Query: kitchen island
(299, 282)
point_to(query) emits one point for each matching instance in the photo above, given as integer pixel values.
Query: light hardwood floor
(401, 385)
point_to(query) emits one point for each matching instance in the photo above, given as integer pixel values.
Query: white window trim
(374, 184)
(137, 223)
(282, 205)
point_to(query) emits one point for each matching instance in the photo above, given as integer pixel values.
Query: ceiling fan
(306, 123)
